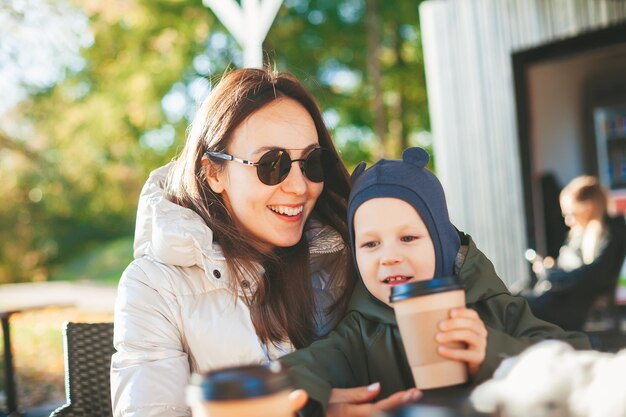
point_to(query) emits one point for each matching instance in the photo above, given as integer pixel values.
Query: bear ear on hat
(416, 156)
(357, 172)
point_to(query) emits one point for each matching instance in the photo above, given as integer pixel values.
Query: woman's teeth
(288, 211)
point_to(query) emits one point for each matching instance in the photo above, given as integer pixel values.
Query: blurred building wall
(467, 51)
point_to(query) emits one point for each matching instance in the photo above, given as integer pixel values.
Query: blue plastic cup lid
(242, 382)
(427, 287)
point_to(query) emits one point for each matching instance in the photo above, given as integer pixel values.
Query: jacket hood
(167, 232)
(409, 180)
(476, 273)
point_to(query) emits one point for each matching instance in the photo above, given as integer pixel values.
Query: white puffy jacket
(175, 312)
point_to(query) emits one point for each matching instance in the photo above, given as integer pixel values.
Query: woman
(588, 263)
(236, 262)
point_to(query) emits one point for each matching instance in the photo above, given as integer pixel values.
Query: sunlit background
(96, 94)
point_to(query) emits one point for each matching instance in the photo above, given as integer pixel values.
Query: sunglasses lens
(274, 167)
(317, 163)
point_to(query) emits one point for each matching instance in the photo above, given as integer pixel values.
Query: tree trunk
(399, 105)
(373, 67)
(7, 142)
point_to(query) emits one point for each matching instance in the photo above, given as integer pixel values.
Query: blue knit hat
(409, 180)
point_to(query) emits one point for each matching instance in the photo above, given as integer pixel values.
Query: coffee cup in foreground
(419, 307)
(255, 390)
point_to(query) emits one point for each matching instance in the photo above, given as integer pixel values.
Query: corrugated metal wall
(467, 50)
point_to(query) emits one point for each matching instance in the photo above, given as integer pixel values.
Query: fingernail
(439, 336)
(373, 387)
(412, 395)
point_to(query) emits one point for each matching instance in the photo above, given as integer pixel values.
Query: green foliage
(72, 175)
(87, 132)
(102, 263)
(325, 43)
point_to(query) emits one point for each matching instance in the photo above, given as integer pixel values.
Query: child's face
(392, 245)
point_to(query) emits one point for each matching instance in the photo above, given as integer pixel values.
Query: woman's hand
(464, 325)
(356, 402)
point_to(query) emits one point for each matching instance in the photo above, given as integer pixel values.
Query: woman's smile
(288, 214)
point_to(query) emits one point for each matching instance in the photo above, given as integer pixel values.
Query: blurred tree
(82, 148)
(39, 39)
(328, 41)
(75, 155)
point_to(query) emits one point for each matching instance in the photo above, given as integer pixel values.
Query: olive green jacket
(365, 347)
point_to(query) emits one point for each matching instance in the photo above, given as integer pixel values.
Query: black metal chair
(88, 349)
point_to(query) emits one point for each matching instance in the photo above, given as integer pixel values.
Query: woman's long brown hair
(283, 306)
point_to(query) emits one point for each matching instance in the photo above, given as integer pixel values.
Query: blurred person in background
(589, 261)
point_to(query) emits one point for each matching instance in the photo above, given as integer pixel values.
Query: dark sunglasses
(274, 166)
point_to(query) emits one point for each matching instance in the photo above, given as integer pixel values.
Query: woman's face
(274, 214)
(576, 213)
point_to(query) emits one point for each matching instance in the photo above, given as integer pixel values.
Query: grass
(38, 353)
(103, 264)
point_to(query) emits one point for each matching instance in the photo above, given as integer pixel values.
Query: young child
(401, 232)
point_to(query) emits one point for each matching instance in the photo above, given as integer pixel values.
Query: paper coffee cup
(256, 390)
(419, 307)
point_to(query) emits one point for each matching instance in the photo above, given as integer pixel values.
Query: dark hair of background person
(283, 305)
(555, 228)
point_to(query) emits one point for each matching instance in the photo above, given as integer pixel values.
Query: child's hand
(464, 325)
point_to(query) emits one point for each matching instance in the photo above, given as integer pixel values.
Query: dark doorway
(571, 115)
